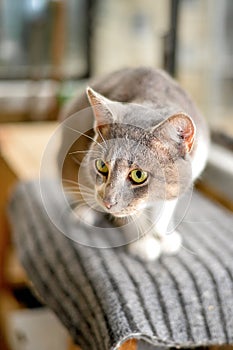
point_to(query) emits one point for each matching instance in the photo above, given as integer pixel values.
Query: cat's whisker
(88, 196)
(68, 209)
(84, 195)
(95, 206)
(76, 189)
(92, 205)
(88, 151)
(198, 221)
(71, 187)
(114, 220)
(131, 220)
(79, 162)
(82, 186)
(148, 212)
(101, 135)
(83, 204)
(80, 151)
(68, 188)
(76, 196)
(70, 181)
(140, 231)
(77, 185)
(85, 135)
(76, 160)
(75, 201)
(188, 250)
(147, 217)
(91, 202)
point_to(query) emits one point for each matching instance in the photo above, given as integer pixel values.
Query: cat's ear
(101, 108)
(182, 128)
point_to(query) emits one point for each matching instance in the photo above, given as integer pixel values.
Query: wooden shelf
(21, 149)
(22, 146)
(14, 274)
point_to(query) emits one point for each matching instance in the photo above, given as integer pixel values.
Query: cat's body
(153, 148)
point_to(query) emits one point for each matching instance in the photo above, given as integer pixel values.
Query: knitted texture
(104, 296)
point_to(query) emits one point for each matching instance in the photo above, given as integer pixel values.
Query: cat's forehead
(126, 151)
(128, 136)
(124, 130)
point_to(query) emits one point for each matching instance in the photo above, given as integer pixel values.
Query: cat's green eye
(101, 167)
(138, 176)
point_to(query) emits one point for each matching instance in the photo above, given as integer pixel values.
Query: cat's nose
(109, 204)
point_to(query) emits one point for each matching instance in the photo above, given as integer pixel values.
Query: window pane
(42, 38)
(205, 58)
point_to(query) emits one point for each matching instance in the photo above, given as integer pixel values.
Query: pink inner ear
(185, 129)
(95, 98)
(100, 107)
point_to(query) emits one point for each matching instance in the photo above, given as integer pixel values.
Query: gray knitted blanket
(105, 296)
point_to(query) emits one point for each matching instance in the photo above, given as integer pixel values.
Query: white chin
(119, 215)
(124, 214)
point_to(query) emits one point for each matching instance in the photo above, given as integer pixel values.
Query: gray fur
(139, 118)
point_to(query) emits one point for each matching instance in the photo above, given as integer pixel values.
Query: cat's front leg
(146, 247)
(170, 241)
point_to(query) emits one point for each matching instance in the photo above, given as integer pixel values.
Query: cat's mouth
(126, 212)
(114, 209)
(119, 215)
(114, 212)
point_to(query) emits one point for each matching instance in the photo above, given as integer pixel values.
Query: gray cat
(146, 145)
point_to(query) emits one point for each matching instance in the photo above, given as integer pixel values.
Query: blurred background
(48, 50)
(48, 47)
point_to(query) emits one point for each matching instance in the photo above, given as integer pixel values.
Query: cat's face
(132, 167)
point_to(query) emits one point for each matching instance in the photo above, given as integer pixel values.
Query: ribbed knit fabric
(104, 296)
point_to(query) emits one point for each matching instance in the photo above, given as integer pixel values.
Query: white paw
(171, 243)
(147, 248)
